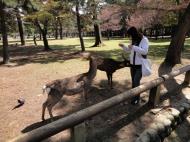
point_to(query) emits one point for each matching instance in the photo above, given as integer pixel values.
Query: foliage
(49, 10)
(9, 3)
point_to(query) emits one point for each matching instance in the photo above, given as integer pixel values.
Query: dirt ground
(24, 77)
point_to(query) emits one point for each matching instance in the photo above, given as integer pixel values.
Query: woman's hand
(130, 46)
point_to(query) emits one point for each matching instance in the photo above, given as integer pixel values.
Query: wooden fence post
(72, 131)
(79, 133)
(187, 77)
(154, 96)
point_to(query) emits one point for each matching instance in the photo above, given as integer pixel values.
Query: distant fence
(78, 117)
(155, 32)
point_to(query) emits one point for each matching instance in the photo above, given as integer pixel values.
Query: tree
(58, 11)
(60, 27)
(79, 25)
(3, 19)
(123, 22)
(173, 55)
(4, 32)
(20, 26)
(42, 16)
(56, 27)
(10, 7)
(41, 20)
(94, 7)
(97, 31)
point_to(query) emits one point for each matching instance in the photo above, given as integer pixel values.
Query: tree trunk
(60, 28)
(34, 39)
(56, 29)
(97, 32)
(45, 41)
(40, 35)
(124, 32)
(79, 26)
(156, 33)
(4, 35)
(108, 34)
(173, 55)
(20, 28)
(180, 15)
(43, 32)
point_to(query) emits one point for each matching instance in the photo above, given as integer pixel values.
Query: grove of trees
(41, 17)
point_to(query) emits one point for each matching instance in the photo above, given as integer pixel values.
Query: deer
(109, 66)
(72, 85)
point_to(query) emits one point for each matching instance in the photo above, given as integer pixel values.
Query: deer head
(85, 55)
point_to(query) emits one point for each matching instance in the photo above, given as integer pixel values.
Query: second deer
(110, 66)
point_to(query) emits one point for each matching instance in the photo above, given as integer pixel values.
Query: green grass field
(110, 48)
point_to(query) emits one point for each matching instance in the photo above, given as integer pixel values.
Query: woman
(139, 50)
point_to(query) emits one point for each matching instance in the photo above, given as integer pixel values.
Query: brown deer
(70, 86)
(110, 66)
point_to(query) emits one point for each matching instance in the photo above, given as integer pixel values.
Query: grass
(110, 48)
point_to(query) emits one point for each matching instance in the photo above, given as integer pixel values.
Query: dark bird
(20, 103)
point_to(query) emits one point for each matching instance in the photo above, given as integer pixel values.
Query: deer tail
(46, 89)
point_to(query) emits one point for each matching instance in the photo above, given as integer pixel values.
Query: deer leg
(50, 111)
(85, 94)
(111, 81)
(108, 76)
(43, 110)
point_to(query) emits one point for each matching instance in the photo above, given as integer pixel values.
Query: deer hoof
(51, 120)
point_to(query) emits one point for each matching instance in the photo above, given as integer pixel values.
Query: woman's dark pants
(136, 75)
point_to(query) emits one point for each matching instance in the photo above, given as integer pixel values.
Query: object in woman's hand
(121, 44)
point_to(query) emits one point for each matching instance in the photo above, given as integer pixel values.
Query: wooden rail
(78, 117)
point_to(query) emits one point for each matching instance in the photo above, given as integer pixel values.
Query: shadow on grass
(157, 51)
(160, 40)
(186, 52)
(30, 54)
(89, 40)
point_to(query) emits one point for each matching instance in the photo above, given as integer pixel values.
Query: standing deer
(110, 66)
(72, 85)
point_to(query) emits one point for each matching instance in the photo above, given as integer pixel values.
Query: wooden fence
(79, 117)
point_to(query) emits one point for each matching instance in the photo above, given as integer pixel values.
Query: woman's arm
(144, 47)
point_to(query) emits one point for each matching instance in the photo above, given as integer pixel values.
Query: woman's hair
(135, 35)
